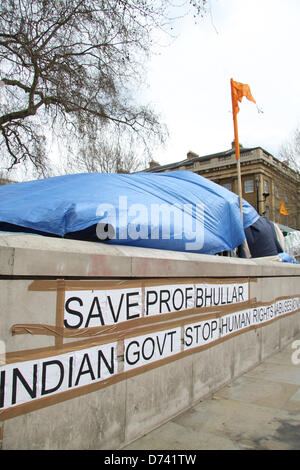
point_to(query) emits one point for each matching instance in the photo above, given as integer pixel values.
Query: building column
(272, 201)
(258, 185)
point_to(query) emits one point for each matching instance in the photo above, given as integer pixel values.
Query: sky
(252, 41)
(188, 78)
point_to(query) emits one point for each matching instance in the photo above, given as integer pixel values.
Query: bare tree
(108, 156)
(289, 152)
(68, 67)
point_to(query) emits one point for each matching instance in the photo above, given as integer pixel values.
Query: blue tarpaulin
(179, 210)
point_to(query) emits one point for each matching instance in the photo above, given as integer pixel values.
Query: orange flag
(238, 91)
(283, 209)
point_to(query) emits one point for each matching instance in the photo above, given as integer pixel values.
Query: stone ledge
(31, 255)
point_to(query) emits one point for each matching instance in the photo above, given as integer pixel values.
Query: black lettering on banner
(165, 298)
(197, 328)
(187, 331)
(199, 297)
(89, 369)
(71, 360)
(241, 293)
(200, 333)
(225, 324)
(161, 350)
(223, 302)
(129, 305)
(116, 318)
(241, 320)
(137, 353)
(208, 296)
(171, 333)
(147, 348)
(254, 314)
(232, 322)
(206, 327)
(95, 315)
(215, 291)
(235, 322)
(164, 301)
(234, 295)
(31, 390)
(101, 358)
(148, 302)
(279, 308)
(143, 348)
(266, 313)
(43, 377)
(45, 391)
(73, 312)
(181, 299)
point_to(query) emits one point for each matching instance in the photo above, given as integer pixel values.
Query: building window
(266, 187)
(248, 186)
(276, 192)
(285, 196)
(228, 186)
(267, 212)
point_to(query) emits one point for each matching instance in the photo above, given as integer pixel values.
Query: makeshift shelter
(179, 211)
(262, 239)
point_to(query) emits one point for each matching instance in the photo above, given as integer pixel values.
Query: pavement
(259, 410)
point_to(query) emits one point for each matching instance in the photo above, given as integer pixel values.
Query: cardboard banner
(152, 347)
(89, 308)
(257, 316)
(34, 379)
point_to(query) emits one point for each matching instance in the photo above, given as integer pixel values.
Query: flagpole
(237, 150)
(238, 162)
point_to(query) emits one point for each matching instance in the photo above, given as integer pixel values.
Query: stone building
(266, 181)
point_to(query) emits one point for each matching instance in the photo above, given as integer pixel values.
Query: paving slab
(278, 395)
(174, 436)
(258, 410)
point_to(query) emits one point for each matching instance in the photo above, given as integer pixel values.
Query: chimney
(233, 144)
(191, 154)
(153, 163)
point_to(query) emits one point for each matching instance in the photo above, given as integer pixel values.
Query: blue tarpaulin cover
(286, 258)
(179, 210)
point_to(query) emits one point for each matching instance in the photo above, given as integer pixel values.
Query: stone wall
(101, 343)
